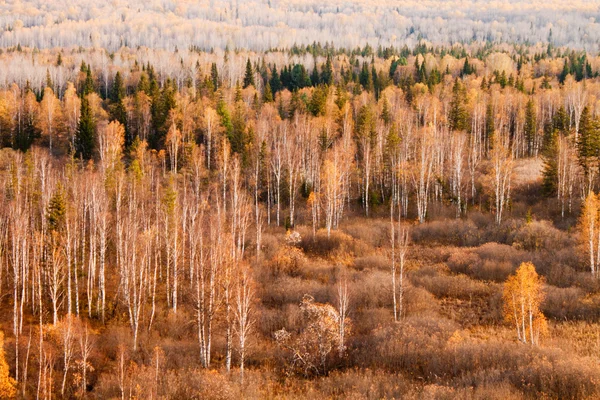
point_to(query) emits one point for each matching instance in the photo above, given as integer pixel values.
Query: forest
(416, 222)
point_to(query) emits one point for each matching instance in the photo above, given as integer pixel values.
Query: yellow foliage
(523, 294)
(7, 384)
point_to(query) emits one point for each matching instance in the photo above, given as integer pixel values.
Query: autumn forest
(412, 220)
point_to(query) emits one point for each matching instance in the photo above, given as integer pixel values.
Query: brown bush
(374, 261)
(456, 232)
(458, 286)
(537, 235)
(338, 246)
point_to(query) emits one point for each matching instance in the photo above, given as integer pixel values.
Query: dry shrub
(562, 303)
(538, 235)
(435, 351)
(418, 301)
(374, 261)
(363, 384)
(494, 271)
(338, 246)
(320, 271)
(364, 320)
(558, 375)
(458, 286)
(500, 252)
(288, 260)
(461, 261)
(560, 275)
(570, 304)
(375, 232)
(576, 337)
(373, 289)
(455, 232)
(286, 290)
(269, 245)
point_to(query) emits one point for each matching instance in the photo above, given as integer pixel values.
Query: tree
(530, 128)
(7, 384)
(523, 295)
(590, 231)
(86, 131)
(588, 148)
(458, 117)
(56, 211)
(327, 72)
(502, 170)
(310, 349)
(244, 320)
(50, 115)
(249, 75)
(399, 241)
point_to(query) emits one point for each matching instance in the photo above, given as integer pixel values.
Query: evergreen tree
(55, 213)
(467, 68)
(489, 124)
(88, 86)
(458, 117)
(268, 94)
(117, 92)
(315, 78)
(530, 127)
(223, 113)
(327, 72)
(588, 142)
(565, 71)
(214, 76)
(249, 75)
(386, 116)
(550, 172)
(275, 82)
(86, 137)
(49, 82)
(318, 101)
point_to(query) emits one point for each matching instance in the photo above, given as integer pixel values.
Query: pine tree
(275, 82)
(327, 72)
(86, 136)
(467, 69)
(386, 116)
(249, 75)
(588, 142)
(55, 213)
(458, 113)
(7, 384)
(550, 172)
(89, 85)
(117, 92)
(268, 94)
(318, 101)
(214, 77)
(530, 127)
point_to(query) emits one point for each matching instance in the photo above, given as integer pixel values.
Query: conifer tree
(530, 127)
(275, 82)
(214, 77)
(55, 213)
(458, 113)
(86, 136)
(268, 93)
(249, 75)
(327, 72)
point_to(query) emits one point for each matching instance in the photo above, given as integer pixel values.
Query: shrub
(456, 232)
